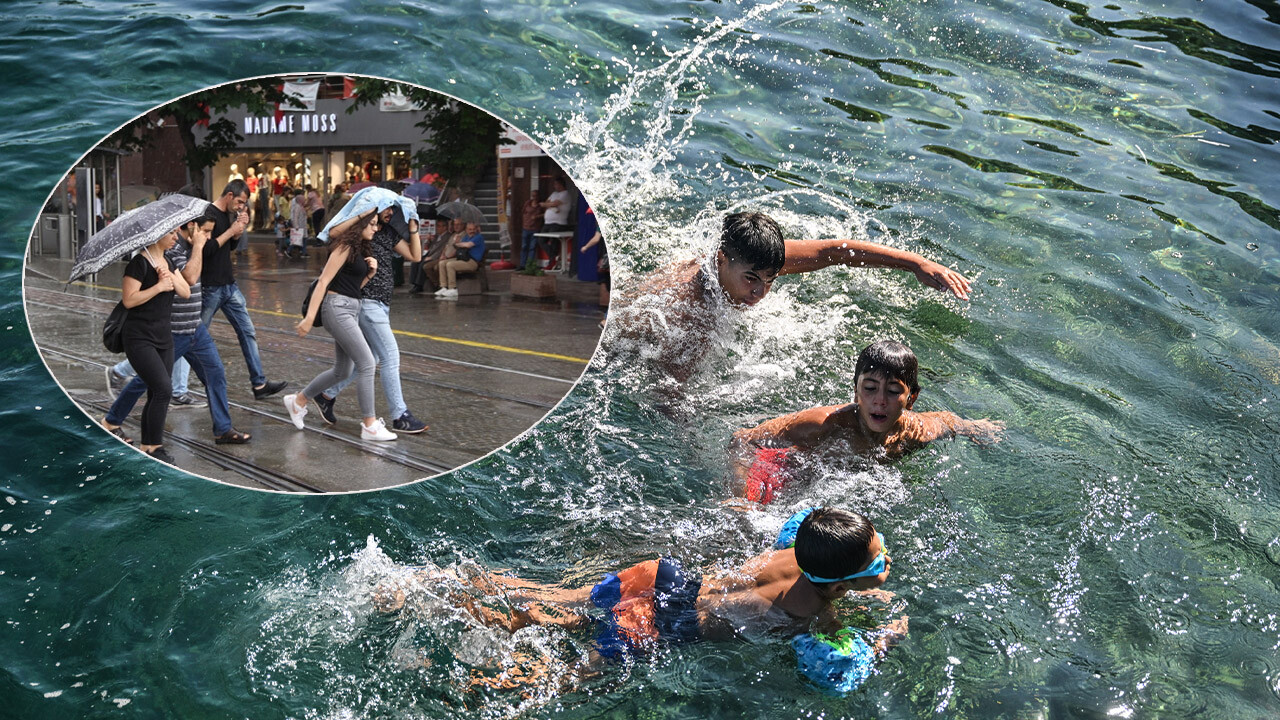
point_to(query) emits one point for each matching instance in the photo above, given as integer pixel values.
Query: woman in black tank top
(337, 295)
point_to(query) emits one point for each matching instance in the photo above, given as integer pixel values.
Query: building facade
(323, 147)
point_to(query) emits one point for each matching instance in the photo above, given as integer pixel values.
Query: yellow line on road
(406, 333)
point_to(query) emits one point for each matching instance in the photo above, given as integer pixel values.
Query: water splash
(334, 622)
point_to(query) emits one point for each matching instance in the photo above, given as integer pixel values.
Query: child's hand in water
(883, 596)
(898, 626)
(941, 277)
(890, 634)
(985, 432)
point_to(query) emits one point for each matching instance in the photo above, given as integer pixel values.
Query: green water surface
(1104, 172)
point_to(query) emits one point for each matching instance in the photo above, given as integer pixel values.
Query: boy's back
(763, 596)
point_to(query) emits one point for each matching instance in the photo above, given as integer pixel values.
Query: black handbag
(113, 328)
(306, 305)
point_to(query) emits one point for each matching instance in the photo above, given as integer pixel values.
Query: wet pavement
(479, 370)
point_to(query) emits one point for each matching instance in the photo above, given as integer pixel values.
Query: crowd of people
(175, 287)
(196, 280)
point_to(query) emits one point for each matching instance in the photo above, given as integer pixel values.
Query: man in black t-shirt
(218, 279)
(395, 236)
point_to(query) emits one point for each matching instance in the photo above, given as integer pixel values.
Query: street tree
(260, 97)
(463, 138)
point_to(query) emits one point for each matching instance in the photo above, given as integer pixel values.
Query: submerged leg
(532, 603)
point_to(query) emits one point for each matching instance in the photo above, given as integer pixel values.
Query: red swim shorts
(770, 472)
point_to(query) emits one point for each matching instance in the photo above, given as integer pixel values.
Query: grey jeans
(351, 351)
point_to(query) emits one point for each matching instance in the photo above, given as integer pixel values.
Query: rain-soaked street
(479, 371)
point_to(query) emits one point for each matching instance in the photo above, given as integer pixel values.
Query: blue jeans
(528, 248)
(375, 323)
(179, 377)
(230, 300)
(200, 350)
(181, 373)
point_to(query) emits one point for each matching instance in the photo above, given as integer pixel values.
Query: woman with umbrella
(148, 287)
(147, 293)
(337, 294)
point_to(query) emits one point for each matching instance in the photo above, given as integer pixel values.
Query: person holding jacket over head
(337, 294)
(394, 236)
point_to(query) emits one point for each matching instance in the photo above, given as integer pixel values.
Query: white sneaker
(450, 294)
(379, 431)
(441, 292)
(296, 415)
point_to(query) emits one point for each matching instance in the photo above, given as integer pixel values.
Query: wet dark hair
(891, 359)
(192, 190)
(210, 214)
(351, 238)
(236, 188)
(754, 239)
(832, 543)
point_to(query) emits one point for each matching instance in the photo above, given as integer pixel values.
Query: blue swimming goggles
(876, 567)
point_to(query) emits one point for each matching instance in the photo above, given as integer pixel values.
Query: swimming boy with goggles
(675, 311)
(878, 423)
(821, 555)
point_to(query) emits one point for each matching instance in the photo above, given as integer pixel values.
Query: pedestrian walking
(337, 295)
(219, 280)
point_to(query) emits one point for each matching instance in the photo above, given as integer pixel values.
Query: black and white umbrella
(135, 230)
(461, 210)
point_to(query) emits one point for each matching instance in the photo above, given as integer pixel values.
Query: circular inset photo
(316, 283)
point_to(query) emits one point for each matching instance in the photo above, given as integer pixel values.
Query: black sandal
(232, 437)
(119, 433)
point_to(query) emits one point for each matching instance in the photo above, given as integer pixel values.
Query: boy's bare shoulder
(672, 292)
(816, 424)
(831, 416)
(756, 595)
(677, 277)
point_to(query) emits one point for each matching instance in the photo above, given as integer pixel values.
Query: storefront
(322, 146)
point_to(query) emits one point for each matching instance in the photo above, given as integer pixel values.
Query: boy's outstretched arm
(810, 255)
(925, 427)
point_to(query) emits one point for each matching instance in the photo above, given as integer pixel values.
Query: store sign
(522, 145)
(291, 124)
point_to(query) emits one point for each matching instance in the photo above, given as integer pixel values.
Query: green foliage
(258, 96)
(531, 268)
(463, 137)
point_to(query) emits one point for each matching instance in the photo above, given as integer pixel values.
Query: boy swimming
(878, 423)
(675, 311)
(821, 555)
